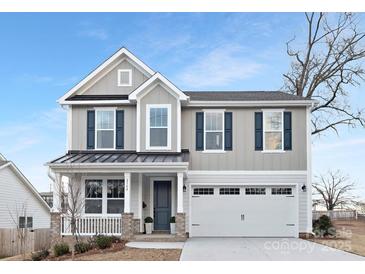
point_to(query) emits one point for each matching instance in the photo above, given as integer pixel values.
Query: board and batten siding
(14, 195)
(108, 84)
(243, 155)
(79, 129)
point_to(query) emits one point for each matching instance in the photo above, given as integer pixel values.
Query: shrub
(148, 220)
(61, 249)
(104, 241)
(40, 255)
(324, 227)
(115, 239)
(172, 220)
(82, 247)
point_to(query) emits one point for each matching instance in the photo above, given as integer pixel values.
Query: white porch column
(57, 192)
(180, 190)
(127, 192)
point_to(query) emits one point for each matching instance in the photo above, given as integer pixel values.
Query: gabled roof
(23, 179)
(158, 76)
(107, 62)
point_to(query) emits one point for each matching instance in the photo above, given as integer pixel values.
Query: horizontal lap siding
(13, 195)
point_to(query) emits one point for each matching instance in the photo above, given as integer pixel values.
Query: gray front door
(162, 205)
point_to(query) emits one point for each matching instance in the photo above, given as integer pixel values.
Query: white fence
(92, 225)
(336, 214)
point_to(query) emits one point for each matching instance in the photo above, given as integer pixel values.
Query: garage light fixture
(304, 188)
(184, 188)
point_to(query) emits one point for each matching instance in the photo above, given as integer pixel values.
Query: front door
(162, 205)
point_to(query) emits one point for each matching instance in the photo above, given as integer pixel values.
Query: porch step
(158, 237)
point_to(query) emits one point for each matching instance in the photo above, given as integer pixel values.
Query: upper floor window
(214, 126)
(158, 126)
(105, 129)
(124, 77)
(273, 130)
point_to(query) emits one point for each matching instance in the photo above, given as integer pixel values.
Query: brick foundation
(136, 226)
(180, 225)
(55, 227)
(127, 226)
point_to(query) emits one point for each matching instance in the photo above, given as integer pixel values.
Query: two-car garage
(244, 211)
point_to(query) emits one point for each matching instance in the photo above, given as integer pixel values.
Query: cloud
(96, 33)
(340, 144)
(220, 67)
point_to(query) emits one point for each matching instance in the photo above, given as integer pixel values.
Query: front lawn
(350, 236)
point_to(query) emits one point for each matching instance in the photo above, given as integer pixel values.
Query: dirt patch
(350, 236)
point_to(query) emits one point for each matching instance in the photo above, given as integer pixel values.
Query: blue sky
(44, 55)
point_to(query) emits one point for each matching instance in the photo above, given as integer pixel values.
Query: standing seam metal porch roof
(115, 157)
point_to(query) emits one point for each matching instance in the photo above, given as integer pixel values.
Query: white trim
(158, 76)
(245, 172)
(205, 131)
(138, 128)
(129, 84)
(127, 192)
(98, 102)
(103, 66)
(180, 193)
(2, 157)
(192, 103)
(178, 126)
(148, 109)
(69, 128)
(264, 112)
(244, 184)
(140, 201)
(309, 168)
(98, 109)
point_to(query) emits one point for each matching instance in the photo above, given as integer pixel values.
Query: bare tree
(21, 227)
(325, 68)
(334, 190)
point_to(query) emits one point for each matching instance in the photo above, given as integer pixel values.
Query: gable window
(213, 130)
(115, 196)
(105, 129)
(93, 196)
(158, 127)
(273, 130)
(124, 77)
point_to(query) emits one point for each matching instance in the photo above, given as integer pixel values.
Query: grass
(350, 236)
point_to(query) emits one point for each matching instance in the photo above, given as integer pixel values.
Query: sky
(43, 55)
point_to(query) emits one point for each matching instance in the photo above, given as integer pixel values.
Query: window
(115, 196)
(25, 222)
(229, 191)
(273, 130)
(255, 191)
(158, 126)
(105, 129)
(124, 77)
(93, 196)
(203, 191)
(281, 191)
(214, 126)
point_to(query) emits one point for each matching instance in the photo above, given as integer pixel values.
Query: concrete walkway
(261, 249)
(156, 245)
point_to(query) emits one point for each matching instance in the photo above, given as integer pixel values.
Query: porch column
(127, 192)
(180, 190)
(57, 192)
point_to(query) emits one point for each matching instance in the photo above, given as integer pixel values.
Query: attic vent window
(124, 77)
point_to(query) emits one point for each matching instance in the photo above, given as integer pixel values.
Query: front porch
(116, 199)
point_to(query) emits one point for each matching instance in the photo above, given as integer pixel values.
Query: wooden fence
(10, 242)
(336, 214)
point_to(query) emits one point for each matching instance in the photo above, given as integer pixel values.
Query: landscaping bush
(61, 249)
(82, 247)
(40, 255)
(323, 227)
(116, 239)
(172, 220)
(103, 241)
(148, 220)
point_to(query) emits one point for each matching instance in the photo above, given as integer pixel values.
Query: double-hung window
(273, 130)
(105, 129)
(158, 127)
(213, 130)
(115, 196)
(93, 196)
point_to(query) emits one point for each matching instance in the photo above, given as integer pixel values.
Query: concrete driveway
(261, 249)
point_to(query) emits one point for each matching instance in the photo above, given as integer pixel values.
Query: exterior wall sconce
(184, 188)
(304, 188)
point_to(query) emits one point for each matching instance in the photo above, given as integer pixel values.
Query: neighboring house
(48, 197)
(223, 163)
(21, 206)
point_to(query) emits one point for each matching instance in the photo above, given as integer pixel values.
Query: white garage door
(248, 211)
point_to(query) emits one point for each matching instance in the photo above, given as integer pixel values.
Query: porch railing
(92, 225)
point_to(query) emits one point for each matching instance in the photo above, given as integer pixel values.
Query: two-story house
(223, 163)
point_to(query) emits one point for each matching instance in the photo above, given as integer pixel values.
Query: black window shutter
(258, 131)
(228, 131)
(287, 131)
(90, 129)
(119, 129)
(199, 131)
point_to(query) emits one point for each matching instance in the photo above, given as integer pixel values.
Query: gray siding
(108, 84)
(159, 95)
(243, 156)
(79, 120)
